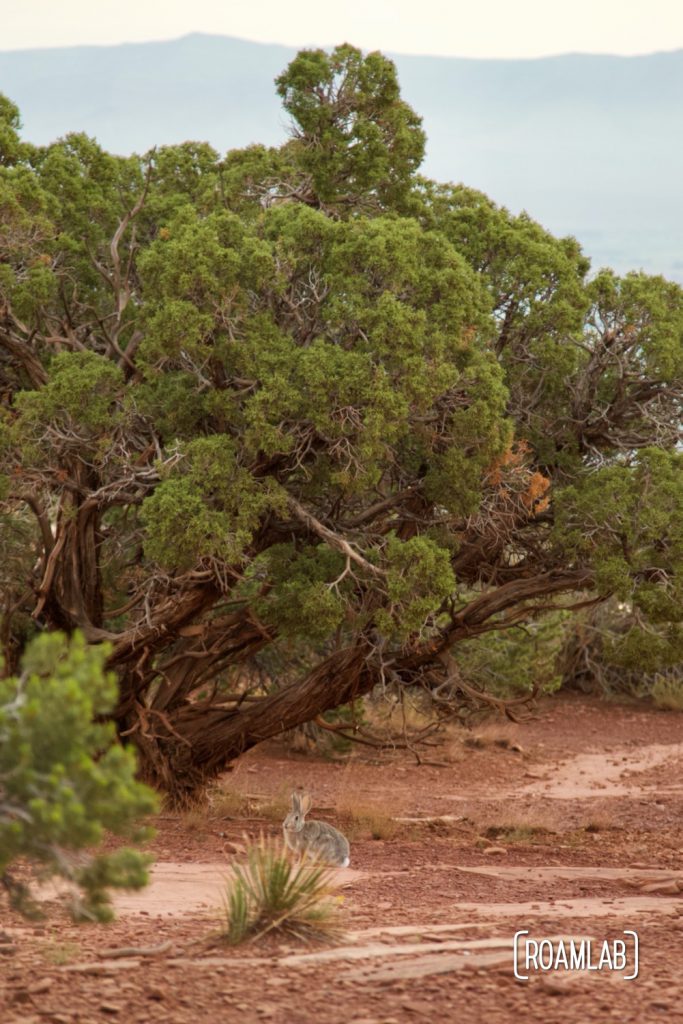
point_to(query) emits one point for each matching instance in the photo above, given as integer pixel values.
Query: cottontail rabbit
(314, 838)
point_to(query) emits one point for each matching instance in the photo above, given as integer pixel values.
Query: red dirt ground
(579, 832)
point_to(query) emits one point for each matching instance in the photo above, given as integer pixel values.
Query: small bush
(368, 820)
(64, 779)
(511, 662)
(271, 893)
(667, 693)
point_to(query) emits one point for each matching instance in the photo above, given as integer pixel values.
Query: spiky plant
(270, 892)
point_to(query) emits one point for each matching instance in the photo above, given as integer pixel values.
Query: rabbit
(314, 838)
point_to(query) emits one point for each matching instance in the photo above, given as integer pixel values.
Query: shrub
(64, 779)
(269, 892)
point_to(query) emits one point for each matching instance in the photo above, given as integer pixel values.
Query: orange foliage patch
(535, 497)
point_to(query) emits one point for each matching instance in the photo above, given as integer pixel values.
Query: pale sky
(463, 28)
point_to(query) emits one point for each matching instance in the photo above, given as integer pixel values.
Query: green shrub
(512, 661)
(269, 892)
(64, 779)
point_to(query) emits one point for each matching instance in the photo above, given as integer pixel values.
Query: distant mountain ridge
(588, 145)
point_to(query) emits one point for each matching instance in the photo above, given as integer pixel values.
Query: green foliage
(353, 133)
(63, 778)
(301, 600)
(515, 661)
(626, 519)
(81, 393)
(613, 649)
(270, 894)
(650, 310)
(420, 577)
(11, 148)
(209, 507)
(303, 389)
(644, 650)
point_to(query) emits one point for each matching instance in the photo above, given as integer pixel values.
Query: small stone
(40, 986)
(668, 888)
(110, 1008)
(555, 986)
(494, 851)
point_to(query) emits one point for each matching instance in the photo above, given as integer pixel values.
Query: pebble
(40, 986)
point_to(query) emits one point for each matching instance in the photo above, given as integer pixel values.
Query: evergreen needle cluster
(64, 779)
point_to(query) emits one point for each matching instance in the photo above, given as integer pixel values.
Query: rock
(667, 888)
(40, 986)
(494, 851)
(556, 986)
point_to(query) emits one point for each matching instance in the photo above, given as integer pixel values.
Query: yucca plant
(271, 892)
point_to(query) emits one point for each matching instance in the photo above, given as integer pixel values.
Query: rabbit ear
(296, 803)
(305, 803)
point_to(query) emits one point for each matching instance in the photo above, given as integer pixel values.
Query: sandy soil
(577, 833)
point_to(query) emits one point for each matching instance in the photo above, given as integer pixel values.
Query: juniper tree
(303, 401)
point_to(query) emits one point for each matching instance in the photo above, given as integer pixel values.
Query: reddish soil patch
(577, 834)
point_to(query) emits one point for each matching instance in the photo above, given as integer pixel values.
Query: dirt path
(569, 826)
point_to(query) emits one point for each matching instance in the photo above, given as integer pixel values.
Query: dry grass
(668, 694)
(60, 953)
(365, 819)
(600, 821)
(519, 827)
(196, 819)
(229, 804)
(453, 747)
(503, 735)
(276, 807)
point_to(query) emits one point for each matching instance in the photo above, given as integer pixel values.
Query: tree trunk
(182, 752)
(185, 743)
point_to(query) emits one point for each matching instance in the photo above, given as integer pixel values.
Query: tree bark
(181, 753)
(185, 744)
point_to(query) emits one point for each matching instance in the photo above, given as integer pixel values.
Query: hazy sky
(468, 28)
